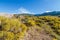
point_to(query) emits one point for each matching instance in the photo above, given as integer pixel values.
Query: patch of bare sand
(33, 34)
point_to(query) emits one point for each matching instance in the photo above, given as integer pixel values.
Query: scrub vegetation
(28, 27)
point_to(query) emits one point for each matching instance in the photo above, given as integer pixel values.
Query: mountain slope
(54, 13)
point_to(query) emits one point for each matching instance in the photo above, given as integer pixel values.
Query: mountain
(23, 14)
(54, 13)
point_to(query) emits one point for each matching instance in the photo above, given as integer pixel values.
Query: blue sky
(29, 6)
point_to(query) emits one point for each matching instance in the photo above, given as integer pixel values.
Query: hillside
(25, 27)
(53, 13)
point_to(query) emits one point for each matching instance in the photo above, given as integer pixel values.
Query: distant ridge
(54, 13)
(24, 14)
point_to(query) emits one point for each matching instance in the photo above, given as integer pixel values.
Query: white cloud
(18, 11)
(48, 11)
(23, 10)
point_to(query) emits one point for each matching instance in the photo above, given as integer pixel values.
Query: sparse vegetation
(16, 27)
